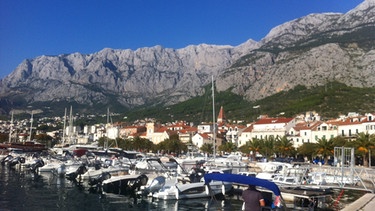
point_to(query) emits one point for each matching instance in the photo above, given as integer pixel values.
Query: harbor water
(23, 190)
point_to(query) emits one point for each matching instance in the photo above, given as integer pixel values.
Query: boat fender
(207, 187)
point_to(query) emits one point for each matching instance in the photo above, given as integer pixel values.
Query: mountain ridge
(310, 50)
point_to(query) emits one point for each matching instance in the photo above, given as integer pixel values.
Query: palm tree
(363, 143)
(268, 145)
(284, 146)
(228, 147)
(208, 148)
(325, 148)
(255, 145)
(308, 150)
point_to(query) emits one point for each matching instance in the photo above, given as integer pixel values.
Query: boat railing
(350, 177)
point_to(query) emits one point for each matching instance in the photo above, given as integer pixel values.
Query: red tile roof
(273, 121)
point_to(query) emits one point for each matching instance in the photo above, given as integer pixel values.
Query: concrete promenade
(365, 203)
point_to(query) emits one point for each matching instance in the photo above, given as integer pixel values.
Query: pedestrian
(253, 199)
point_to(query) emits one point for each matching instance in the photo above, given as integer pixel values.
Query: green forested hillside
(329, 101)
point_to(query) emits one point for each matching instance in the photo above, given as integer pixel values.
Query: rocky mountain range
(310, 51)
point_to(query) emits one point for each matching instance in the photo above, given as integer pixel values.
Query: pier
(365, 203)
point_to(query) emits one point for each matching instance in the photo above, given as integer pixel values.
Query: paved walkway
(365, 203)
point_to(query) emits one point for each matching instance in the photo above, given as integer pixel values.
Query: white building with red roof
(272, 127)
(202, 138)
(245, 135)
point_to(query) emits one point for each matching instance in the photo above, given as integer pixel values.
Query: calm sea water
(21, 190)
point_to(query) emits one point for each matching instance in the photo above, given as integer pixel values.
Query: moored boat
(192, 190)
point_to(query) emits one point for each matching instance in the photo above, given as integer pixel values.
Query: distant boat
(26, 146)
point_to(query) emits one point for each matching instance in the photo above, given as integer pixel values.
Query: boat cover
(242, 179)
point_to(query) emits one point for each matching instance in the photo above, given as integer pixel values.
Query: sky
(32, 28)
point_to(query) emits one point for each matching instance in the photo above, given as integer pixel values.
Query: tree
(106, 142)
(268, 146)
(325, 148)
(308, 150)
(228, 147)
(255, 145)
(4, 137)
(207, 148)
(173, 144)
(44, 139)
(284, 146)
(363, 143)
(142, 144)
(339, 141)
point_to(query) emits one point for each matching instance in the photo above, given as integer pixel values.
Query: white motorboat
(287, 180)
(273, 166)
(192, 190)
(112, 170)
(124, 184)
(53, 166)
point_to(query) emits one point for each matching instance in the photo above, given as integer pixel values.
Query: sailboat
(69, 144)
(23, 146)
(172, 189)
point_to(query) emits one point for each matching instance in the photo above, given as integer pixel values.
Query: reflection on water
(21, 190)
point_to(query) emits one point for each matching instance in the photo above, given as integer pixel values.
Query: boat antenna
(213, 118)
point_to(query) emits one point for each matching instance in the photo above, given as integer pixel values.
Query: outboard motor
(38, 163)
(96, 183)
(6, 159)
(196, 175)
(141, 180)
(99, 179)
(97, 165)
(155, 186)
(73, 176)
(15, 161)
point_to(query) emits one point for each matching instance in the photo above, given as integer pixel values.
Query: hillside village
(306, 128)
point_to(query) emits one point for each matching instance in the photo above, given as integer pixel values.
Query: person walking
(253, 199)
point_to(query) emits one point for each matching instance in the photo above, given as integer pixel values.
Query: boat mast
(64, 129)
(213, 118)
(31, 125)
(11, 129)
(70, 126)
